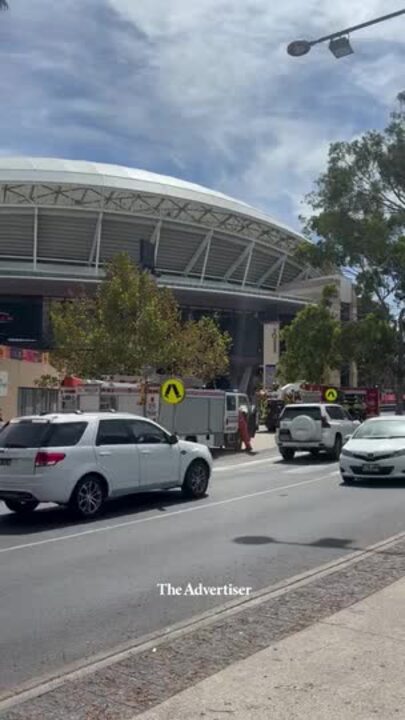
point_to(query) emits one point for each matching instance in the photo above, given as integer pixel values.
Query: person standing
(244, 428)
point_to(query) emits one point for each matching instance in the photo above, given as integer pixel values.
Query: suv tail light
(325, 423)
(47, 459)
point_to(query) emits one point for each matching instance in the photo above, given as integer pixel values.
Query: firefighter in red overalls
(243, 428)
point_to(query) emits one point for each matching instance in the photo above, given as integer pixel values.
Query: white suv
(314, 427)
(80, 460)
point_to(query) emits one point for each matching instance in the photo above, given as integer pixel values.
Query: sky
(200, 90)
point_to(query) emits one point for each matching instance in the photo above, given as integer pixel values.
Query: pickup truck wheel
(287, 454)
(88, 497)
(22, 507)
(337, 448)
(196, 480)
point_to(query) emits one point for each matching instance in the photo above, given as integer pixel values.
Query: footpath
(350, 665)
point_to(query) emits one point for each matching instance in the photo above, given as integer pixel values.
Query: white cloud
(203, 89)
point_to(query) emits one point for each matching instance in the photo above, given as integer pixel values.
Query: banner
(13, 353)
(271, 343)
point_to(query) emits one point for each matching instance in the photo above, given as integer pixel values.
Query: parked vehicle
(314, 427)
(82, 460)
(209, 417)
(376, 450)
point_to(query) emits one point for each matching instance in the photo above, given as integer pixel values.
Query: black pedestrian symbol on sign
(172, 389)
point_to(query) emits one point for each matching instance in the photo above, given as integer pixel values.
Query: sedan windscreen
(381, 429)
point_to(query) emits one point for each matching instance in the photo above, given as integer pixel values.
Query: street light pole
(401, 364)
(302, 47)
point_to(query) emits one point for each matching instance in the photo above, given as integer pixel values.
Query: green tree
(359, 218)
(371, 344)
(130, 324)
(207, 349)
(312, 343)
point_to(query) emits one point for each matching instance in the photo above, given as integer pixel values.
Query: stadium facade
(61, 221)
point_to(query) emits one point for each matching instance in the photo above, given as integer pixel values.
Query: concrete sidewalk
(349, 666)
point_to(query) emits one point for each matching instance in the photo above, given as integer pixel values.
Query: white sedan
(376, 450)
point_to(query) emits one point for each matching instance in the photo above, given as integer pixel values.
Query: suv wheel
(22, 507)
(88, 497)
(287, 453)
(337, 448)
(196, 480)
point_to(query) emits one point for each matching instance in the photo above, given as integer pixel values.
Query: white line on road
(244, 465)
(302, 470)
(138, 521)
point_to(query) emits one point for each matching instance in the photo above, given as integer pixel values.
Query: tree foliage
(358, 221)
(312, 343)
(3, 5)
(207, 349)
(130, 324)
(371, 344)
(359, 213)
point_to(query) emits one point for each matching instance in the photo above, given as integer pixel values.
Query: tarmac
(350, 665)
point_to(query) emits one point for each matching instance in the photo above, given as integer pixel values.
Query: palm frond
(3, 5)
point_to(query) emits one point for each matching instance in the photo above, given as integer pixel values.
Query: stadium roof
(65, 218)
(79, 172)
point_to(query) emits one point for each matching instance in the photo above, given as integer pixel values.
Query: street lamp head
(340, 47)
(299, 48)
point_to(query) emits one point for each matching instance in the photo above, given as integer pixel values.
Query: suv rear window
(64, 434)
(292, 412)
(29, 434)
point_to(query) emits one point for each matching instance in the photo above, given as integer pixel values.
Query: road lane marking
(244, 465)
(138, 521)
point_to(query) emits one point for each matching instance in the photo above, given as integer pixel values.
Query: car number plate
(5, 461)
(371, 469)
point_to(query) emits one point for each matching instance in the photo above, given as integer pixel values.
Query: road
(70, 590)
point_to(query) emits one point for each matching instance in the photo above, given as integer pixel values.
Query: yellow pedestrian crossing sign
(173, 391)
(331, 395)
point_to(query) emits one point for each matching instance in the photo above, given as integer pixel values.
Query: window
(24, 434)
(146, 433)
(65, 434)
(335, 412)
(291, 413)
(34, 401)
(231, 403)
(114, 432)
(108, 402)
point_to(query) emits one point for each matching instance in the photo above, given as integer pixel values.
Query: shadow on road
(327, 542)
(51, 518)
(306, 459)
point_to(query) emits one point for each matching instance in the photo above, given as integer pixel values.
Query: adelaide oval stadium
(61, 221)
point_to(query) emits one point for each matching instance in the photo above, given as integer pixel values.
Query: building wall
(20, 374)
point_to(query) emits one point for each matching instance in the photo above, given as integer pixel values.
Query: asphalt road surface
(69, 590)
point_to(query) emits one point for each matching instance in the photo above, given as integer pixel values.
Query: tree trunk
(401, 365)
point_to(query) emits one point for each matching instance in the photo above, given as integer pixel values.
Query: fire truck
(206, 416)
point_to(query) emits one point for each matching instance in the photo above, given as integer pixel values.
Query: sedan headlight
(347, 453)
(398, 453)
